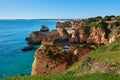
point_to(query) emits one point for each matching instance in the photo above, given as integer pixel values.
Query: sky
(57, 9)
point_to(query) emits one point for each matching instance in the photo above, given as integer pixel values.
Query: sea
(13, 61)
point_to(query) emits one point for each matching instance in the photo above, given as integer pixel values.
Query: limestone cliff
(100, 33)
(115, 31)
(97, 36)
(49, 59)
(43, 64)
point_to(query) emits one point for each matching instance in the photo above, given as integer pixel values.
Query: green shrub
(87, 30)
(50, 54)
(104, 25)
(118, 18)
(57, 56)
(98, 18)
(107, 18)
(53, 56)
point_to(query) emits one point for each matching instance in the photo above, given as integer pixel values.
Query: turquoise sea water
(13, 61)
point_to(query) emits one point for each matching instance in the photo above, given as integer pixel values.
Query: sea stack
(44, 29)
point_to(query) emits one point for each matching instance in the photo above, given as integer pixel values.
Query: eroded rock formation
(49, 59)
(35, 37)
(29, 47)
(44, 29)
(58, 35)
(97, 36)
(115, 31)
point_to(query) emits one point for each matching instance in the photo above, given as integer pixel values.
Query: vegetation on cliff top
(109, 54)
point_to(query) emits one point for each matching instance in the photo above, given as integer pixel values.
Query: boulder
(26, 38)
(30, 47)
(44, 29)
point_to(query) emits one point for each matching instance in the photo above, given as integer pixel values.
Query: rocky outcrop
(104, 67)
(35, 37)
(58, 35)
(83, 50)
(77, 25)
(50, 60)
(78, 32)
(97, 36)
(29, 47)
(53, 35)
(98, 66)
(44, 29)
(44, 64)
(66, 24)
(115, 31)
(75, 37)
(63, 33)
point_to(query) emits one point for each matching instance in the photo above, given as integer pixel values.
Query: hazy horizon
(57, 9)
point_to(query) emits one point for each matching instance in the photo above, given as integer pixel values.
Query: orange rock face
(36, 37)
(56, 35)
(88, 35)
(50, 60)
(97, 36)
